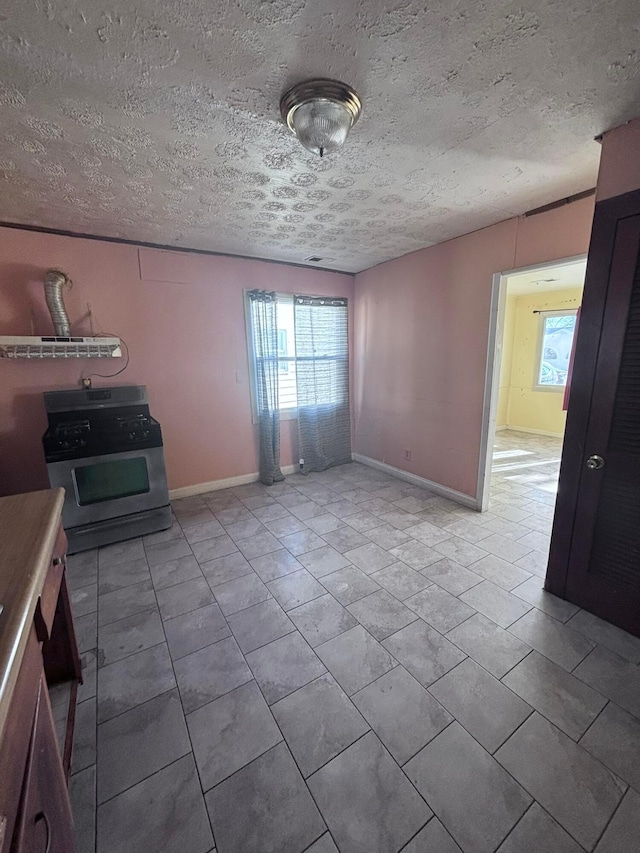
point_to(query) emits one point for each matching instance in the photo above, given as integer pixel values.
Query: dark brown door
(595, 553)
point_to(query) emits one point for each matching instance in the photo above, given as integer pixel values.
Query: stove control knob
(132, 436)
(145, 433)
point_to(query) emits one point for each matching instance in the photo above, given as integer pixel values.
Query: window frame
(288, 414)
(542, 316)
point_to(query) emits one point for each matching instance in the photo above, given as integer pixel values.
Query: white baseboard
(500, 428)
(421, 482)
(535, 431)
(216, 485)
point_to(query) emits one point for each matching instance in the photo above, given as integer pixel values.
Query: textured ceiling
(158, 121)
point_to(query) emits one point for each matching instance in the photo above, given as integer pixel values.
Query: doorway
(534, 316)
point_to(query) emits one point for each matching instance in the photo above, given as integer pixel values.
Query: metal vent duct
(54, 282)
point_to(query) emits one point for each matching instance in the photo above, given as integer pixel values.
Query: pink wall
(181, 315)
(421, 331)
(620, 161)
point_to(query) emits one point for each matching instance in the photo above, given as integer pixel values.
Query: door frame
(492, 370)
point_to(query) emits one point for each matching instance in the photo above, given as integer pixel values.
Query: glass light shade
(321, 125)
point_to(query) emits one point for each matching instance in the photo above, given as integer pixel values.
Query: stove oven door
(111, 486)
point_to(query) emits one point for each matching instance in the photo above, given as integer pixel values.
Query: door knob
(595, 463)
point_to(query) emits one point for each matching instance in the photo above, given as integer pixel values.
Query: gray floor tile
(439, 608)
(428, 533)
(321, 619)
(125, 602)
(84, 600)
(271, 512)
(213, 549)
(260, 544)
(285, 526)
(349, 584)
(275, 565)
(571, 785)
(132, 634)
(261, 624)
(84, 736)
(164, 812)
(175, 571)
(559, 696)
(210, 672)
(240, 593)
(233, 514)
(184, 597)
(244, 529)
(415, 554)
(386, 536)
(306, 509)
(361, 521)
(400, 519)
(621, 836)
(381, 614)
(342, 508)
(226, 568)
(488, 710)
(468, 529)
(612, 676)
(400, 580)
(451, 576)
(472, 795)
(505, 548)
(166, 551)
(495, 603)
(323, 845)
(606, 634)
(533, 592)
(135, 679)
(500, 572)
(355, 659)
(401, 712)
(195, 630)
(460, 551)
(376, 506)
(434, 838)
(302, 542)
(120, 552)
(489, 645)
(370, 558)
(230, 732)
(552, 639)
(201, 530)
(295, 589)
(323, 561)
(82, 569)
(537, 832)
(89, 686)
(423, 651)
(140, 742)
(277, 814)
(82, 793)
(367, 802)
(326, 522)
(318, 721)
(345, 539)
(614, 739)
(283, 665)
(534, 562)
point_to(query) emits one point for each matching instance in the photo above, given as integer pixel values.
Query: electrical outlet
(407, 455)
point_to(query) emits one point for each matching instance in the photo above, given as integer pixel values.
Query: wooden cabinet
(44, 824)
(37, 649)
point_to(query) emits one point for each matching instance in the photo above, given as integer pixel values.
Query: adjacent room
(319, 456)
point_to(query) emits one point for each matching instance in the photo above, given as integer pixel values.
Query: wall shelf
(16, 346)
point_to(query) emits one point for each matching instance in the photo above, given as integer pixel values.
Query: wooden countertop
(29, 525)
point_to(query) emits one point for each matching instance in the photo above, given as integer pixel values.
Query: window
(555, 340)
(322, 351)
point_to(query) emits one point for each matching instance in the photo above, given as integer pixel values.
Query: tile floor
(346, 662)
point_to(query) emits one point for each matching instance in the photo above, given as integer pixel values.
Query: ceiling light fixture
(321, 113)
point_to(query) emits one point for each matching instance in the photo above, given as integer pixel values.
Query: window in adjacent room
(555, 339)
